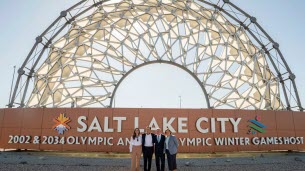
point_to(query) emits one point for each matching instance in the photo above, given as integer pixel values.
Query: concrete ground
(60, 161)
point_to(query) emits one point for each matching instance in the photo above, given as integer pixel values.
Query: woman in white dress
(135, 149)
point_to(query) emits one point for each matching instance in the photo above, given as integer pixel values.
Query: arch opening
(166, 85)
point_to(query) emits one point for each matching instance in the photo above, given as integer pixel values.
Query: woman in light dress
(135, 149)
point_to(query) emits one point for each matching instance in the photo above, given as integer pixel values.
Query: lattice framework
(237, 64)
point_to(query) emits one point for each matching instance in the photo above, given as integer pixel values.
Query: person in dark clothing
(148, 148)
(159, 150)
(171, 146)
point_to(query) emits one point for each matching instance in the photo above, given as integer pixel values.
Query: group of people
(149, 143)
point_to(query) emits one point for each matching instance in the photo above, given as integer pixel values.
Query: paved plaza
(47, 161)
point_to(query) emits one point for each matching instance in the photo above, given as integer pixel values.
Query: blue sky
(22, 21)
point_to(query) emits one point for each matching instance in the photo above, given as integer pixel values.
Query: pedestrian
(159, 150)
(171, 146)
(135, 149)
(148, 148)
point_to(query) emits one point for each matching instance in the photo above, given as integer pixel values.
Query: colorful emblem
(256, 126)
(61, 123)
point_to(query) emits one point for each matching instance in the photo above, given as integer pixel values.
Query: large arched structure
(83, 55)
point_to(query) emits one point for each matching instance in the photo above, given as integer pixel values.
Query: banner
(110, 129)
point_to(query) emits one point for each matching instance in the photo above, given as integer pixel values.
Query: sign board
(109, 129)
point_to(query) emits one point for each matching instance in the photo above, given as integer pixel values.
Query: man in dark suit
(159, 150)
(148, 140)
